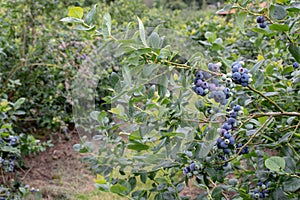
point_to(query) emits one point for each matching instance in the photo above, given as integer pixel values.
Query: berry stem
(267, 98)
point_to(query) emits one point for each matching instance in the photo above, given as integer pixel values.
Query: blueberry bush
(223, 119)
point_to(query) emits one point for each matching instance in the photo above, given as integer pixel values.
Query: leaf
(71, 20)
(142, 32)
(76, 12)
(83, 28)
(291, 185)
(118, 189)
(106, 25)
(275, 163)
(254, 69)
(279, 27)
(217, 193)
(100, 179)
(154, 40)
(114, 79)
(205, 148)
(277, 12)
(162, 85)
(18, 103)
(90, 16)
(126, 75)
(295, 51)
(240, 20)
(259, 79)
(137, 146)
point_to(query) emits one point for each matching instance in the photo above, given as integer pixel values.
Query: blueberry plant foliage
(225, 120)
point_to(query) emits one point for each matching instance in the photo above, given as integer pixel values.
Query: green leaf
(295, 51)
(114, 79)
(90, 16)
(275, 163)
(18, 103)
(126, 75)
(259, 78)
(84, 28)
(71, 20)
(118, 189)
(137, 146)
(162, 86)
(142, 32)
(154, 40)
(279, 27)
(217, 193)
(151, 92)
(76, 12)
(292, 185)
(205, 148)
(106, 25)
(240, 20)
(277, 12)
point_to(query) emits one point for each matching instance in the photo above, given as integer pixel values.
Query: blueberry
(226, 126)
(296, 65)
(231, 140)
(245, 78)
(236, 76)
(199, 90)
(227, 135)
(223, 145)
(236, 108)
(192, 166)
(226, 151)
(199, 75)
(233, 114)
(244, 84)
(263, 25)
(204, 85)
(260, 19)
(198, 82)
(230, 121)
(219, 140)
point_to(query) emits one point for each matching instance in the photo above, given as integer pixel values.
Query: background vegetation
(149, 129)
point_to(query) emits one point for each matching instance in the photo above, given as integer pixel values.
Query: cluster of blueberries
(202, 87)
(192, 169)
(262, 21)
(226, 140)
(296, 65)
(261, 191)
(10, 163)
(240, 75)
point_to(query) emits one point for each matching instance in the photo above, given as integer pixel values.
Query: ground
(58, 172)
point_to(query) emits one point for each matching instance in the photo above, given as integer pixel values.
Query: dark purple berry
(263, 25)
(260, 19)
(199, 75)
(236, 76)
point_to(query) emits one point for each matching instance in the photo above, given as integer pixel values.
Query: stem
(267, 98)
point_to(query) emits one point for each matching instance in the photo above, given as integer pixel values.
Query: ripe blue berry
(296, 65)
(260, 19)
(263, 25)
(192, 166)
(199, 75)
(199, 90)
(226, 151)
(245, 78)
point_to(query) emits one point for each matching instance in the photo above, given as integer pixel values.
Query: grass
(98, 195)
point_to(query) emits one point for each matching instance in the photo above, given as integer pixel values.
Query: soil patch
(58, 172)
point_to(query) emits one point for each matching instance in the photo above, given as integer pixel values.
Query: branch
(267, 98)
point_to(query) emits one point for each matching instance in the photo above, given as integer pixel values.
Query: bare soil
(58, 172)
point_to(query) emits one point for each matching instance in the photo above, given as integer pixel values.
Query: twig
(267, 98)
(26, 173)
